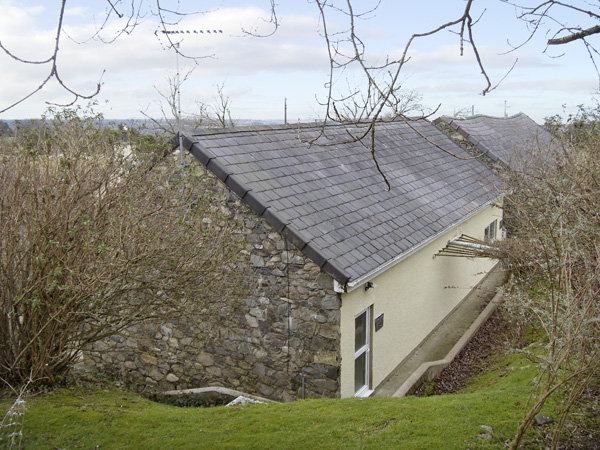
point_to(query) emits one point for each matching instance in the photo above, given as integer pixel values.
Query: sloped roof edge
(258, 207)
(503, 139)
(401, 257)
(262, 127)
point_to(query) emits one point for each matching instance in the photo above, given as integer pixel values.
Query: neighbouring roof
(501, 138)
(331, 202)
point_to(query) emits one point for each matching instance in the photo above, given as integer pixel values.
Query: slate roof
(330, 201)
(501, 138)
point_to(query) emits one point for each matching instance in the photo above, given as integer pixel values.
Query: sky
(259, 73)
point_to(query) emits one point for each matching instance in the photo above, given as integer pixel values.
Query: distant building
(505, 140)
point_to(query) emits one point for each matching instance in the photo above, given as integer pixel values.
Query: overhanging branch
(575, 36)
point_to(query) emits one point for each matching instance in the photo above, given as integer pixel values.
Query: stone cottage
(345, 283)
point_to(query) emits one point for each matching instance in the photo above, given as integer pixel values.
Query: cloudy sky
(258, 73)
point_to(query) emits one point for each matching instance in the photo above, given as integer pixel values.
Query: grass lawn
(109, 418)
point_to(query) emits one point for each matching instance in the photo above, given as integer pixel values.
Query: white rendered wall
(415, 295)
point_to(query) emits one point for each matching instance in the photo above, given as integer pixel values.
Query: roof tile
(504, 139)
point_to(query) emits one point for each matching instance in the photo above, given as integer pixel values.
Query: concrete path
(442, 345)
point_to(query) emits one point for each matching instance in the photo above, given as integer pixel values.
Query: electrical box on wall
(378, 322)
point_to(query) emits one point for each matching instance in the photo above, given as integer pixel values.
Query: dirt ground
(488, 343)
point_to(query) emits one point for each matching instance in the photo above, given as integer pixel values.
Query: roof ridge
(484, 115)
(244, 129)
(290, 126)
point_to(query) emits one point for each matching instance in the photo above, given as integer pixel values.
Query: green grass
(109, 418)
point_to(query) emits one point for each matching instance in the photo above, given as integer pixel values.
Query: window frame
(490, 232)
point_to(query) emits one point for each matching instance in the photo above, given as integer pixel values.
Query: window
(362, 353)
(489, 233)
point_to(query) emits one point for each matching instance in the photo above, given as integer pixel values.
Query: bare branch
(115, 9)
(534, 17)
(382, 97)
(136, 12)
(53, 73)
(575, 36)
(222, 108)
(273, 20)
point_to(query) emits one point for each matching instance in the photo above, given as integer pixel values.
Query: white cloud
(16, 17)
(78, 11)
(572, 84)
(292, 63)
(492, 57)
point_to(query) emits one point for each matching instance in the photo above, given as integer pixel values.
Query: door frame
(366, 349)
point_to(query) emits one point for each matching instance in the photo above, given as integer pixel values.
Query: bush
(95, 236)
(554, 255)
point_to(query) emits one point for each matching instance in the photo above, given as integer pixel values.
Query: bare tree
(555, 258)
(382, 91)
(383, 80)
(168, 105)
(222, 107)
(217, 115)
(381, 97)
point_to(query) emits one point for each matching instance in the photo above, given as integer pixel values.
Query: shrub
(554, 254)
(96, 235)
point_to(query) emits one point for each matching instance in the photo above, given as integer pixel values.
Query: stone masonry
(281, 342)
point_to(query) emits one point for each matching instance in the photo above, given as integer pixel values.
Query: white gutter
(339, 287)
(351, 285)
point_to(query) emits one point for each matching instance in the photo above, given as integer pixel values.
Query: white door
(362, 353)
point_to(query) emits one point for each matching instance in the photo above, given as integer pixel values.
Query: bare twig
(53, 73)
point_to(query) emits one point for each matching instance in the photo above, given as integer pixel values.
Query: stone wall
(281, 342)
